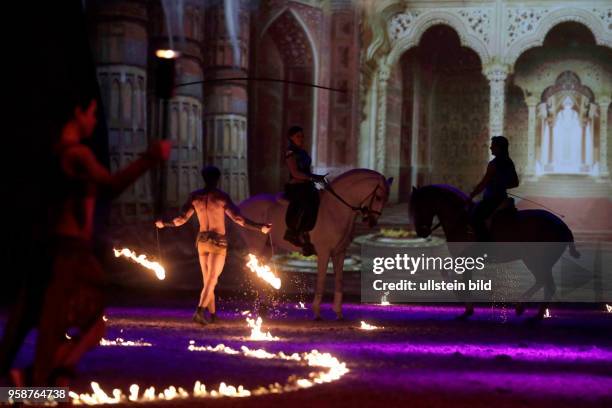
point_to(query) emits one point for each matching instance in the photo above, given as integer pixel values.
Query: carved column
(381, 125)
(225, 102)
(120, 42)
(416, 115)
(496, 74)
(532, 103)
(604, 103)
(545, 143)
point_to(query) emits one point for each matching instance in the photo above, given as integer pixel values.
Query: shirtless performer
(74, 300)
(210, 205)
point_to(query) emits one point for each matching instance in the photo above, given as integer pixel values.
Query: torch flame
(547, 314)
(159, 270)
(263, 271)
(365, 326)
(256, 333)
(609, 308)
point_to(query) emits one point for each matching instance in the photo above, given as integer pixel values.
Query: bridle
(366, 212)
(439, 223)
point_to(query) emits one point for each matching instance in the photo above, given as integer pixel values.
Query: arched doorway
(566, 82)
(284, 51)
(437, 114)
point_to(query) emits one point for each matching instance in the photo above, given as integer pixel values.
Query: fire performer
(71, 317)
(210, 205)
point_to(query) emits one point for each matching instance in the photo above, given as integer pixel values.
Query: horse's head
(422, 212)
(445, 201)
(377, 202)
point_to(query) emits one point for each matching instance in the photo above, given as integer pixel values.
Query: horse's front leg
(338, 262)
(549, 291)
(322, 260)
(469, 306)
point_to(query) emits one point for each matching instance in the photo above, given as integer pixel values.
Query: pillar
(496, 74)
(225, 102)
(604, 103)
(532, 103)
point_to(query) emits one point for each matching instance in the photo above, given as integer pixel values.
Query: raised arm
(82, 160)
(487, 177)
(233, 212)
(187, 211)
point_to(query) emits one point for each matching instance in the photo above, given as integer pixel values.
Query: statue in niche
(567, 139)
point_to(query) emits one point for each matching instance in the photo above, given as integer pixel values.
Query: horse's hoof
(465, 315)
(317, 318)
(340, 318)
(519, 309)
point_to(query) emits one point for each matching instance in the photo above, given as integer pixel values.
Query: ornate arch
(548, 21)
(315, 63)
(421, 23)
(301, 23)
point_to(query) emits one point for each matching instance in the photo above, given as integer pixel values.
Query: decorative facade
(427, 84)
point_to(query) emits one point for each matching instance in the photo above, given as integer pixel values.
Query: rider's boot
(293, 237)
(307, 248)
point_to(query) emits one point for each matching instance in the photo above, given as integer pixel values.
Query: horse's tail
(572, 246)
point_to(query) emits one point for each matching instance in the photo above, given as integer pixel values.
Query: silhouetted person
(301, 192)
(500, 176)
(211, 205)
(73, 300)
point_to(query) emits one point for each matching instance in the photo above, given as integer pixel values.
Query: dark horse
(452, 207)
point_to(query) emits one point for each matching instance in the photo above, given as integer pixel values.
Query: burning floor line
(124, 343)
(331, 369)
(366, 326)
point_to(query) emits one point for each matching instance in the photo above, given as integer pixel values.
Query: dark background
(47, 60)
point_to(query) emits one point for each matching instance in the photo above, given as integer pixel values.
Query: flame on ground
(256, 333)
(124, 343)
(263, 271)
(383, 300)
(609, 308)
(547, 314)
(331, 369)
(301, 305)
(156, 267)
(365, 326)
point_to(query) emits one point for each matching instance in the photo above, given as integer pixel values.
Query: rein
(365, 211)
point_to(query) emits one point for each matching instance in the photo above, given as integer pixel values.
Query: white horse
(359, 191)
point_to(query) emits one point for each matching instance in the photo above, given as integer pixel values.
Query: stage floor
(419, 357)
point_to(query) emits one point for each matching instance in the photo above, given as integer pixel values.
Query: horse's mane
(351, 176)
(356, 176)
(451, 192)
(354, 172)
